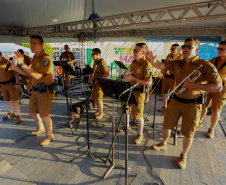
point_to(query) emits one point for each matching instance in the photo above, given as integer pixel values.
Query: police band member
(10, 89)
(70, 58)
(168, 80)
(141, 72)
(100, 68)
(67, 55)
(26, 80)
(41, 72)
(186, 104)
(218, 99)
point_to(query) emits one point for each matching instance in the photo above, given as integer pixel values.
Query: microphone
(8, 65)
(130, 88)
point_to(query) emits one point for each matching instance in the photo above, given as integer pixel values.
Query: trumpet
(183, 89)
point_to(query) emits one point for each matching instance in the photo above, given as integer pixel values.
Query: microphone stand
(125, 111)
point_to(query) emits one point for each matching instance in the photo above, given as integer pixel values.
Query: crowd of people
(182, 62)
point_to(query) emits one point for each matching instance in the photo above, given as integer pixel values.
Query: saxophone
(91, 78)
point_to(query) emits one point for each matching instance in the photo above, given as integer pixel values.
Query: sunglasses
(221, 49)
(93, 54)
(187, 46)
(136, 50)
(172, 49)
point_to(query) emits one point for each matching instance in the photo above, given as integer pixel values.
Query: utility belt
(199, 100)
(170, 76)
(12, 80)
(42, 88)
(142, 89)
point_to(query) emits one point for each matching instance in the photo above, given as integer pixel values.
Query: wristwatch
(18, 84)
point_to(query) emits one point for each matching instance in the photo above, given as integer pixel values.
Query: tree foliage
(27, 45)
(47, 47)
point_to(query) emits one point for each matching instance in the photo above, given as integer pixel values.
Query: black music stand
(66, 67)
(115, 89)
(88, 151)
(121, 65)
(69, 71)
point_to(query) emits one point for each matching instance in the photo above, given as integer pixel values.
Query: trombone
(183, 89)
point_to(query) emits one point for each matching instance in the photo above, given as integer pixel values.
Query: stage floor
(24, 161)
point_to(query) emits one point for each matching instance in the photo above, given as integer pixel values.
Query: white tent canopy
(16, 17)
(8, 49)
(35, 13)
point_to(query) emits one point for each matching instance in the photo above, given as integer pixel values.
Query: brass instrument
(183, 89)
(161, 72)
(91, 78)
(176, 55)
(127, 73)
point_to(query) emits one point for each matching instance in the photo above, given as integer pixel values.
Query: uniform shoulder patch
(104, 65)
(213, 67)
(45, 62)
(148, 71)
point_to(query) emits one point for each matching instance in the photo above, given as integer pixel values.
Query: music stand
(121, 66)
(66, 67)
(68, 71)
(88, 151)
(115, 89)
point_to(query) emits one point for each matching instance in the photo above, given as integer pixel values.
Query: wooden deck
(24, 161)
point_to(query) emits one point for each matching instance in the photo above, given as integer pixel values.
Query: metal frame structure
(107, 26)
(10, 31)
(82, 52)
(178, 14)
(160, 33)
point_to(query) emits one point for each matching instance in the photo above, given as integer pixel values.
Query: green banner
(88, 56)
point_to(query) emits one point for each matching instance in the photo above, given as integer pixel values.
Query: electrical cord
(118, 146)
(145, 147)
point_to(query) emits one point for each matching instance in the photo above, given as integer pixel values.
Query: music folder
(66, 67)
(120, 64)
(113, 89)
